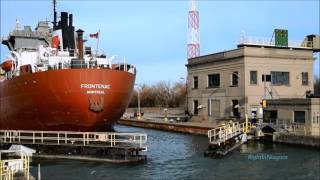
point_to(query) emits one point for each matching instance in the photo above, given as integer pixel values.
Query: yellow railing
(8, 168)
(225, 132)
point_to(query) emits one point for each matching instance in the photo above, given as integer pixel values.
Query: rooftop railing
(270, 42)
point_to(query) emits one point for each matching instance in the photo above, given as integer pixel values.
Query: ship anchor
(96, 105)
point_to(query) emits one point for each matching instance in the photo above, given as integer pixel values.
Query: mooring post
(39, 172)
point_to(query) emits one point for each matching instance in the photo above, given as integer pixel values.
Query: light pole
(186, 100)
(139, 109)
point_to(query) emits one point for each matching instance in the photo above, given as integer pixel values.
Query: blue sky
(153, 34)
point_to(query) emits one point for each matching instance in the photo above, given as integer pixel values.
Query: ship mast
(54, 15)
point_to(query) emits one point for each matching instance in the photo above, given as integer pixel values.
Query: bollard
(39, 172)
(165, 114)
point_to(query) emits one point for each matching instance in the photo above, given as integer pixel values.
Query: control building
(231, 84)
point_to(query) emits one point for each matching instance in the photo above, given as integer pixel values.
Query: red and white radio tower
(193, 26)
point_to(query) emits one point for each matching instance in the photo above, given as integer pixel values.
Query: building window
(280, 78)
(214, 80)
(234, 78)
(266, 77)
(195, 107)
(299, 117)
(195, 82)
(270, 116)
(305, 78)
(253, 77)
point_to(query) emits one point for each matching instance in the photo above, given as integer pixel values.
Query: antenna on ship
(17, 24)
(54, 15)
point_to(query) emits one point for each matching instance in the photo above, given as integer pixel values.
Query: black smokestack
(64, 28)
(70, 20)
(71, 43)
(54, 15)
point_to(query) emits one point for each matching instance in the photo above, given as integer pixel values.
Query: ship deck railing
(70, 138)
(113, 62)
(91, 64)
(226, 132)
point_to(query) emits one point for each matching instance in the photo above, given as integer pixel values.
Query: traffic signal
(263, 103)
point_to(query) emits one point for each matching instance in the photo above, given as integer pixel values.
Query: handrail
(270, 42)
(9, 167)
(223, 133)
(105, 139)
(61, 59)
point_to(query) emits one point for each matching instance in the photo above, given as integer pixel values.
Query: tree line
(161, 94)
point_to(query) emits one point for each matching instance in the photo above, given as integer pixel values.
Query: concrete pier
(303, 140)
(182, 127)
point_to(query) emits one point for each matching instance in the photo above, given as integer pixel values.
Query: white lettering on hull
(95, 86)
(95, 92)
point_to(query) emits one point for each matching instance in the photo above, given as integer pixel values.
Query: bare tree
(161, 94)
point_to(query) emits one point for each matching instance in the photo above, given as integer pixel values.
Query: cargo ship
(53, 82)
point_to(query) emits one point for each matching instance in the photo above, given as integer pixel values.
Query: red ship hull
(65, 100)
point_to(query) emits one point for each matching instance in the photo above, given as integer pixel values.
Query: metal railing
(9, 167)
(93, 139)
(62, 60)
(223, 133)
(6, 173)
(270, 42)
(285, 126)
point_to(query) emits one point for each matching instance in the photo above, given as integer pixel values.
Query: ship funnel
(70, 20)
(80, 43)
(54, 15)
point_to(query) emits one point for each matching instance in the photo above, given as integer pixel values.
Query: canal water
(180, 156)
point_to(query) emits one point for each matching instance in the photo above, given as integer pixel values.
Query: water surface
(180, 156)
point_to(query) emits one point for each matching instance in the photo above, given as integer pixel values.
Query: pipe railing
(223, 133)
(270, 42)
(105, 139)
(8, 167)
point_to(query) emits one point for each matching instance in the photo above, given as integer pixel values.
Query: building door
(254, 114)
(214, 108)
(235, 108)
(195, 107)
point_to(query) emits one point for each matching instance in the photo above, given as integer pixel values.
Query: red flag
(96, 35)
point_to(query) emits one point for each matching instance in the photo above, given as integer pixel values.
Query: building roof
(215, 57)
(253, 51)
